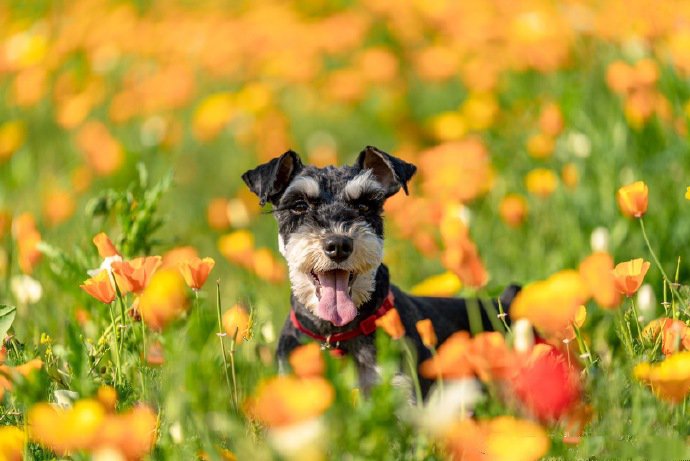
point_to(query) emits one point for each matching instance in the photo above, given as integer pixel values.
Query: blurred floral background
(135, 119)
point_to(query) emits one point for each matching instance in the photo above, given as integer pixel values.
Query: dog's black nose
(338, 247)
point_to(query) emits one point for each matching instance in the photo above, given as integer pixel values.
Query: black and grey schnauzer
(331, 234)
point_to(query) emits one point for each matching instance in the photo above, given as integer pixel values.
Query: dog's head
(330, 225)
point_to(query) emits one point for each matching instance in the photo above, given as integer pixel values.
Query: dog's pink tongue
(335, 304)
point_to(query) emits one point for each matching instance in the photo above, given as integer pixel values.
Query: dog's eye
(300, 207)
(362, 207)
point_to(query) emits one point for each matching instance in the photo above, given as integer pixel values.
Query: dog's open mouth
(333, 289)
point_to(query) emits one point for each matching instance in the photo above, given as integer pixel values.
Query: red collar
(366, 327)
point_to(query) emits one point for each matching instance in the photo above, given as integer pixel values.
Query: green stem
(658, 264)
(116, 349)
(221, 334)
(637, 319)
(232, 369)
(584, 349)
(123, 314)
(413, 372)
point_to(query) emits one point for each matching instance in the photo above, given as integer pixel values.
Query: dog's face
(330, 225)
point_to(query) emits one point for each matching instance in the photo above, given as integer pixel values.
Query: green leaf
(7, 314)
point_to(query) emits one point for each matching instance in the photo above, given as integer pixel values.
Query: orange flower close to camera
(490, 357)
(105, 246)
(236, 323)
(545, 384)
(134, 275)
(633, 199)
(425, 328)
(287, 400)
(597, 272)
(88, 426)
(629, 275)
(195, 271)
(66, 430)
(451, 360)
(669, 379)
(164, 299)
(552, 305)
(504, 438)
(307, 361)
(12, 441)
(391, 324)
(100, 287)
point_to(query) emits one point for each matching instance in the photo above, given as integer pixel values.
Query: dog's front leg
(364, 355)
(288, 341)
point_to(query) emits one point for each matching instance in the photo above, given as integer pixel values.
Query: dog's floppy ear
(269, 180)
(390, 171)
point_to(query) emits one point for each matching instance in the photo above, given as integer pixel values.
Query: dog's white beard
(304, 254)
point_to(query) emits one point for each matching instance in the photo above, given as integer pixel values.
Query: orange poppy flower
(134, 275)
(287, 400)
(105, 246)
(307, 361)
(164, 299)
(100, 287)
(633, 199)
(132, 433)
(551, 119)
(445, 284)
(65, 430)
(8, 374)
(513, 209)
(490, 356)
(426, 331)
(675, 334)
(460, 254)
(541, 182)
(670, 379)
(12, 441)
(391, 324)
(552, 305)
(596, 271)
(173, 257)
(501, 438)
(236, 323)
(629, 275)
(195, 271)
(456, 171)
(451, 360)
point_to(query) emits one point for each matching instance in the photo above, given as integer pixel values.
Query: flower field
(141, 287)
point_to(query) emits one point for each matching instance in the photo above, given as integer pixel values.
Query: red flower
(545, 384)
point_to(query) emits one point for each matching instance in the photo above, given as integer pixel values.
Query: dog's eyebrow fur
(361, 184)
(306, 185)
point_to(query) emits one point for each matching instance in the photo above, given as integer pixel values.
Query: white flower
(26, 290)
(599, 240)
(105, 265)
(646, 301)
(523, 335)
(301, 441)
(445, 404)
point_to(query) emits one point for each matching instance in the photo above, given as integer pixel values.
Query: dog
(330, 231)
